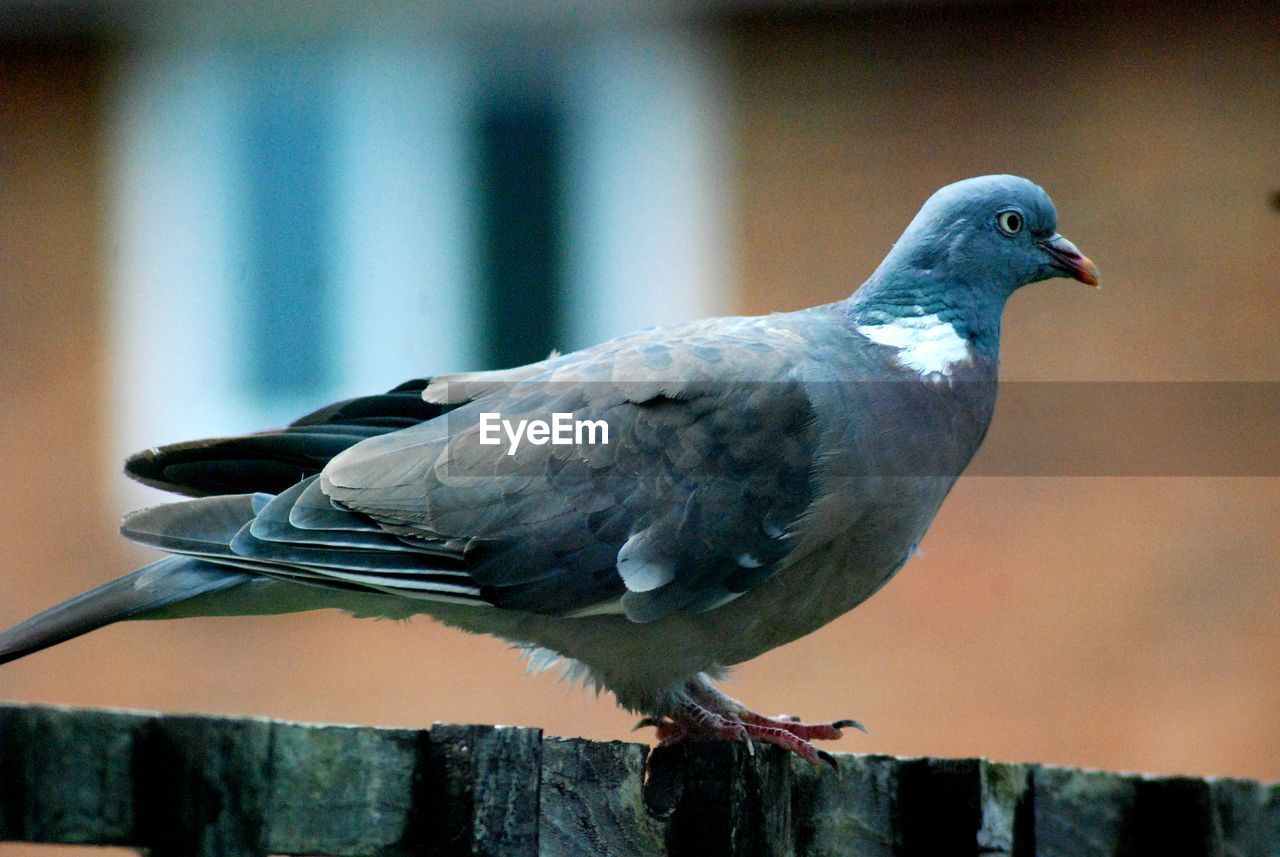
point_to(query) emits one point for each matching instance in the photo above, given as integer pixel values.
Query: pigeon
(643, 514)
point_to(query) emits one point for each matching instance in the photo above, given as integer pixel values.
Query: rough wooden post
(851, 814)
(1248, 816)
(939, 807)
(485, 783)
(201, 787)
(66, 775)
(1008, 811)
(1080, 813)
(348, 791)
(721, 799)
(593, 802)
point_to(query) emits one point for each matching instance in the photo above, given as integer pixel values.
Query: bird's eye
(1010, 222)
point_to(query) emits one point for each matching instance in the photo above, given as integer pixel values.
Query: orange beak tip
(1070, 261)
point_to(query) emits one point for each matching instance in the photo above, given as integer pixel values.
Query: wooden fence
(190, 785)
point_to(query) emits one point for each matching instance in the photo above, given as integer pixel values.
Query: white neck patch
(925, 343)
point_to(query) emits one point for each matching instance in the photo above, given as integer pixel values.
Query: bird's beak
(1069, 260)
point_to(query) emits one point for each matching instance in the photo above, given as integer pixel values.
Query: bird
(739, 483)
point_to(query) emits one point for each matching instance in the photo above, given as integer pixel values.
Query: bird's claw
(704, 712)
(851, 724)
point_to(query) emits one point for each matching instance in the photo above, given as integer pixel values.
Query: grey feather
(314, 510)
(203, 527)
(168, 581)
(274, 523)
(700, 458)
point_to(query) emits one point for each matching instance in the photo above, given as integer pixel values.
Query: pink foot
(807, 731)
(701, 711)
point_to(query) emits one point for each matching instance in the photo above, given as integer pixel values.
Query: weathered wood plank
(1248, 816)
(66, 775)
(722, 799)
(210, 785)
(485, 788)
(1008, 821)
(593, 801)
(347, 791)
(201, 787)
(938, 809)
(851, 814)
(1080, 813)
(1173, 816)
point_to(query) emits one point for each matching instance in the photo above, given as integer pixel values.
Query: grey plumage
(762, 476)
(148, 590)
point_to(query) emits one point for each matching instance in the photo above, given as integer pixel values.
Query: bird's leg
(725, 704)
(701, 711)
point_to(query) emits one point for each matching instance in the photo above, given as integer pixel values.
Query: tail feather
(237, 470)
(203, 527)
(161, 584)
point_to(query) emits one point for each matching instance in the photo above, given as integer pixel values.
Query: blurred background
(214, 217)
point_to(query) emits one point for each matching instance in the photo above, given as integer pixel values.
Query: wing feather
(710, 448)
(694, 499)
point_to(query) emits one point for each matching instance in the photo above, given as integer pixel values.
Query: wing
(692, 501)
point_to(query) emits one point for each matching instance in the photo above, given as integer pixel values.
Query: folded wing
(693, 499)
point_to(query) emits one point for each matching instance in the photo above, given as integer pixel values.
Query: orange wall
(58, 535)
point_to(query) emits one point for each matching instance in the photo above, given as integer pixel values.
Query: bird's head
(992, 232)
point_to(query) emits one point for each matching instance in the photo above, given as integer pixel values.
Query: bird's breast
(847, 552)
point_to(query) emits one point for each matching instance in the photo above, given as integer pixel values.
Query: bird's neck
(971, 308)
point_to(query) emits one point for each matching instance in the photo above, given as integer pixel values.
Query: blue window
(284, 311)
(520, 234)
